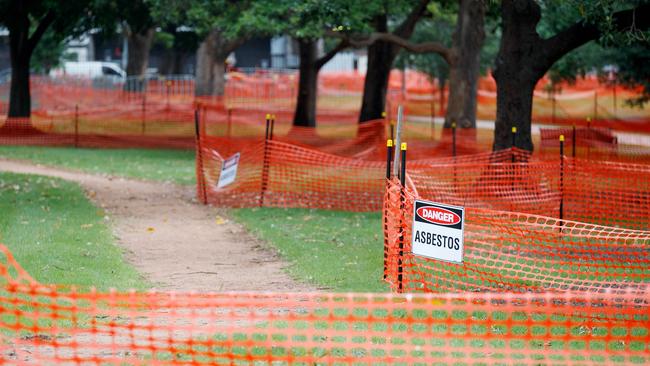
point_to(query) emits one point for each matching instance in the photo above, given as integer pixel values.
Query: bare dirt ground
(174, 241)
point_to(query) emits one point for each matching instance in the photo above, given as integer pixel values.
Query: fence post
(453, 138)
(513, 131)
(229, 120)
(204, 125)
(168, 84)
(272, 125)
(588, 137)
(76, 125)
(389, 156)
(514, 141)
(595, 105)
(265, 160)
(573, 142)
(433, 116)
(200, 176)
(144, 111)
(561, 178)
(400, 258)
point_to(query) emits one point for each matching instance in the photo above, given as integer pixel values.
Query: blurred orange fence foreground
(46, 325)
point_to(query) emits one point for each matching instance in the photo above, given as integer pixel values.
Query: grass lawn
(158, 165)
(58, 236)
(341, 251)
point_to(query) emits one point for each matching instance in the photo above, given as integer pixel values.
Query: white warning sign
(438, 231)
(228, 171)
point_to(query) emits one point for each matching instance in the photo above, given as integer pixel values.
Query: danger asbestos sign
(438, 231)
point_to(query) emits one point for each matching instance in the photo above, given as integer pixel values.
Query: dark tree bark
(310, 65)
(139, 44)
(211, 63)
(464, 68)
(524, 57)
(21, 46)
(305, 114)
(172, 62)
(19, 95)
(381, 55)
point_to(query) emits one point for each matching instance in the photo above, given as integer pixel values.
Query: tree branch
(580, 33)
(405, 29)
(45, 22)
(343, 44)
(424, 47)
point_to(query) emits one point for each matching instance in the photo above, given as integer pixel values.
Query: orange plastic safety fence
(65, 325)
(606, 193)
(276, 174)
(510, 251)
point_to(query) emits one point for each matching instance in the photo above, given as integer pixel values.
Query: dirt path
(172, 240)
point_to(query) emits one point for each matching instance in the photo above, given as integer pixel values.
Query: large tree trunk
(375, 86)
(21, 53)
(524, 57)
(516, 73)
(204, 61)
(172, 62)
(139, 44)
(305, 114)
(210, 67)
(465, 66)
(211, 63)
(380, 60)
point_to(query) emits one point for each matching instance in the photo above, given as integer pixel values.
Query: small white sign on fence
(228, 171)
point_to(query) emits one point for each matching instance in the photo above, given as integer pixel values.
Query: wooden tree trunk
(465, 66)
(21, 54)
(524, 57)
(139, 44)
(19, 95)
(305, 114)
(204, 70)
(219, 74)
(516, 72)
(211, 63)
(375, 86)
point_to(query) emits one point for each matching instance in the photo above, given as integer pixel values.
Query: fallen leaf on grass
(150, 229)
(220, 220)
(85, 226)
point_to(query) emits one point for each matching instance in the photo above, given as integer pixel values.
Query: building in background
(257, 53)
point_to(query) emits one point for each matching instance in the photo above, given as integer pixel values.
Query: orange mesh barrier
(507, 251)
(277, 174)
(612, 194)
(65, 325)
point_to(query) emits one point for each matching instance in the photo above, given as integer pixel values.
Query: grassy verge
(158, 165)
(341, 251)
(58, 236)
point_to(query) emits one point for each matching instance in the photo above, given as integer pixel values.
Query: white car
(90, 69)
